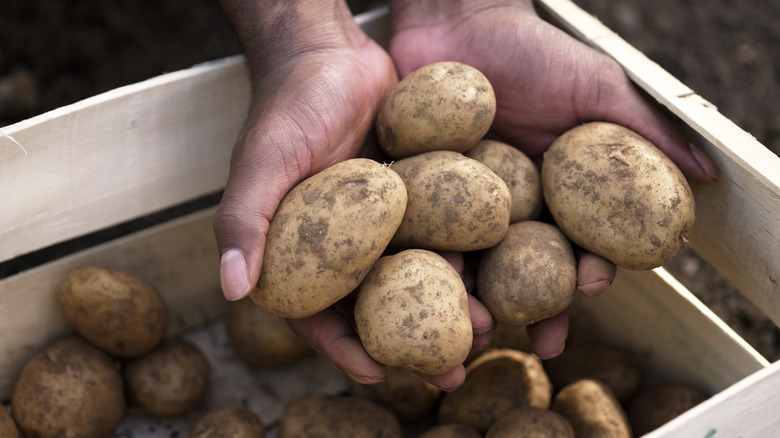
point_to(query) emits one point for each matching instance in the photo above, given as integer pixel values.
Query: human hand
(546, 82)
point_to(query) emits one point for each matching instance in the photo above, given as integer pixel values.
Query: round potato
(321, 416)
(70, 388)
(451, 430)
(496, 381)
(115, 310)
(455, 203)
(592, 410)
(412, 312)
(616, 195)
(656, 406)
(404, 392)
(441, 106)
(229, 422)
(326, 234)
(530, 422)
(529, 276)
(260, 338)
(171, 380)
(518, 172)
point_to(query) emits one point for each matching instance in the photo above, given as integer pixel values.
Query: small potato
(441, 106)
(229, 422)
(326, 234)
(496, 382)
(656, 406)
(455, 203)
(616, 195)
(412, 312)
(260, 338)
(451, 431)
(404, 392)
(115, 310)
(70, 388)
(321, 416)
(8, 427)
(592, 410)
(529, 276)
(518, 172)
(530, 422)
(171, 380)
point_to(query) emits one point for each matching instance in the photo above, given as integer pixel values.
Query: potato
(229, 422)
(326, 234)
(441, 106)
(8, 427)
(496, 382)
(260, 338)
(115, 310)
(70, 388)
(592, 409)
(530, 422)
(171, 380)
(404, 393)
(518, 172)
(455, 203)
(529, 276)
(656, 406)
(321, 416)
(616, 195)
(615, 366)
(412, 311)
(451, 431)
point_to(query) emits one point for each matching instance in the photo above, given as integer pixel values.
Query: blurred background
(57, 52)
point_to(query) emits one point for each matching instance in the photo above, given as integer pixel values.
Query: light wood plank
(738, 218)
(180, 258)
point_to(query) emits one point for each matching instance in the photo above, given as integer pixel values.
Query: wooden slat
(180, 258)
(738, 218)
(119, 155)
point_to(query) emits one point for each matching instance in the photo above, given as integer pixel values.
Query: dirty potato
(412, 311)
(229, 422)
(518, 172)
(656, 406)
(326, 234)
(8, 427)
(529, 276)
(441, 106)
(322, 416)
(616, 195)
(592, 409)
(530, 422)
(455, 203)
(451, 430)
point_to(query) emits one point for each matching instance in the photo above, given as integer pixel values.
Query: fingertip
(234, 275)
(548, 337)
(707, 167)
(449, 381)
(594, 274)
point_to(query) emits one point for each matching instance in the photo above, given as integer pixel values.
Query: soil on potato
(56, 52)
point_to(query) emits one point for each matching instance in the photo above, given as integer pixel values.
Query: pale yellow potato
(496, 381)
(404, 392)
(530, 422)
(592, 409)
(529, 276)
(326, 234)
(322, 416)
(441, 106)
(117, 311)
(70, 388)
(518, 172)
(229, 422)
(412, 311)
(656, 406)
(455, 203)
(616, 195)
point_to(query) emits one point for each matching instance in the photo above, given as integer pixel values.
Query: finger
(449, 381)
(594, 274)
(481, 324)
(333, 337)
(548, 337)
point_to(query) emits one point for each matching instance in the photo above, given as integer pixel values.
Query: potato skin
(455, 203)
(529, 276)
(451, 430)
(656, 406)
(115, 310)
(616, 195)
(69, 388)
(321, 416)
(229, 422)
(326, 234)
(518, 172)
(441, 106)
(592, 410)
(412, 311)
(8, 427)
(530, 422)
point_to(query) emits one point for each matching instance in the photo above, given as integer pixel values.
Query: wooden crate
(164, 142)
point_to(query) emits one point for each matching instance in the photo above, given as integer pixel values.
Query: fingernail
(555, 354)
(594, 288)
(703, 161)
(366, 380)
(234, 275)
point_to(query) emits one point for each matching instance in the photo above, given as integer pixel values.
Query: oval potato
(322, 416)
(229, 422)
(326, 234)
(441, 106)
(616, 195)
(530, 422)
(592, 410)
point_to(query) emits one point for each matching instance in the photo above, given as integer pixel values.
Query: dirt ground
(56, 52)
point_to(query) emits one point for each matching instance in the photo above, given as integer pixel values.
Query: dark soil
(56, 52)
